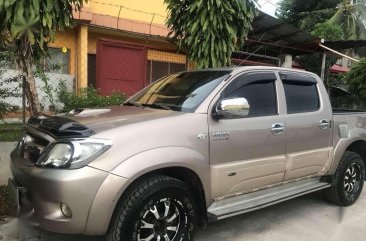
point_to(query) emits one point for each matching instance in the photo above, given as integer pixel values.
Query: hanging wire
(127, 8)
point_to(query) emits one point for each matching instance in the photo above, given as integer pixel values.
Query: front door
(308, 132)
(248, 153)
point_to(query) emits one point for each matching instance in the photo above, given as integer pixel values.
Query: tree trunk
(30, 86)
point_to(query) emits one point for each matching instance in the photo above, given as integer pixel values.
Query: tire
(348, 180)
(155, 206)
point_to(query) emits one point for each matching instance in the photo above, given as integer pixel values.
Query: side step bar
(252, 201)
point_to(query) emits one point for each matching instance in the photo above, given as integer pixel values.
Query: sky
(268, 6)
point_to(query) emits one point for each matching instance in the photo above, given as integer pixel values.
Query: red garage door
(120, 67)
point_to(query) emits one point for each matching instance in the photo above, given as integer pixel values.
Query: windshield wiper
(129, 103)
(158, 106)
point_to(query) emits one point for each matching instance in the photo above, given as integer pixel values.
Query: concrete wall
(54, 80)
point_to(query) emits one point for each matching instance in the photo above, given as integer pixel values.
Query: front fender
(134, 167)
(147, 161)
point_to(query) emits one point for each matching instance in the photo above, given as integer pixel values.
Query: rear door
(308, 126)
(248, 153)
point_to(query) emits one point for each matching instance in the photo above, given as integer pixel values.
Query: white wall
(54, 80)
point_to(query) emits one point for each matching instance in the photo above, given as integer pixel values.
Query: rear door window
(301, 93)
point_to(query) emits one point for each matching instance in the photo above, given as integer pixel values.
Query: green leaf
(49, 20)
(203, 16)
(30, 36)
(49, 5)
(44, 21)
(35, 4)
(20, 9)
(194, 27)
(8, 3)
(16, 30)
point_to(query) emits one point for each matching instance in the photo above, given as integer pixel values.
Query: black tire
(143, 212)
(348, 180)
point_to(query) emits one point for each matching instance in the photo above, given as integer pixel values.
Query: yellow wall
(127, 11)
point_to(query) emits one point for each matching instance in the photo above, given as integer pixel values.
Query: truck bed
(347, 111)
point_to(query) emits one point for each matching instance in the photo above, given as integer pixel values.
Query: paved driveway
(304, 218)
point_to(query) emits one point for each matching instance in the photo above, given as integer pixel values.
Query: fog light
(66, 211)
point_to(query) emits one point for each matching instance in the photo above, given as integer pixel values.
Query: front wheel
(348, 180)
(158, 208)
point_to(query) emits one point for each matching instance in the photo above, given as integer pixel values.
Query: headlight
(73, 154)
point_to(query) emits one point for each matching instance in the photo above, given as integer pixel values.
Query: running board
(252, 201)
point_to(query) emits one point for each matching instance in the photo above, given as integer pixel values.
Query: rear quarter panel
(354, 126)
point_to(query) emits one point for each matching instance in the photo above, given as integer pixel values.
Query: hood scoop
(88, 112)
(60, 127)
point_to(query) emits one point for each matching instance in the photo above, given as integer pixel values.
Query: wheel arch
(358, 147)
(182, 163)
(183, 174)
(355, 145)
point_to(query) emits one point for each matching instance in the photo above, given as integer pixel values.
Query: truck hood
(87, 122)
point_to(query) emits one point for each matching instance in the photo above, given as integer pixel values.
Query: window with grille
(158, 69)
(57, 63)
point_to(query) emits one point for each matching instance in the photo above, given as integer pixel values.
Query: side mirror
(231, 108)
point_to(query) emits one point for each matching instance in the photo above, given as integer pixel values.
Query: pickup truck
(190, 148)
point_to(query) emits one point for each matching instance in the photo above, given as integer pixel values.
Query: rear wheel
(159, 208)
(348, 180)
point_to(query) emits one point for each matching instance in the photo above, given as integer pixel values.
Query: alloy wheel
(161, 221)
(352, 180)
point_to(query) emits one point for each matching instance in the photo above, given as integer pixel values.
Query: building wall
(133, 21)
(140, 10)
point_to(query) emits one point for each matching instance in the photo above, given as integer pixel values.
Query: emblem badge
(202, 136)
(221, 136)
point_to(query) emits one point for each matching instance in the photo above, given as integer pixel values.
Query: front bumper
(43, 191)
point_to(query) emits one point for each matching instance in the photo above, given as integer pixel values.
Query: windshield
(179, 92)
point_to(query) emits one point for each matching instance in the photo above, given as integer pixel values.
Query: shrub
(87, 98)
(355, 79)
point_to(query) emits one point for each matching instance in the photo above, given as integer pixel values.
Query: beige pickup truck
(192, 147)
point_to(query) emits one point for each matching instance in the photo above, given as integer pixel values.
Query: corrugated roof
(271, 37)
(270, 29)
(345, 44)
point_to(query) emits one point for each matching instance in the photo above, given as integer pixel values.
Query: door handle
(324, 124)
(278, 129)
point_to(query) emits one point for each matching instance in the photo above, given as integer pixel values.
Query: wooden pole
(322, 76)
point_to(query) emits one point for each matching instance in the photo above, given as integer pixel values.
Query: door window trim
(304, 78)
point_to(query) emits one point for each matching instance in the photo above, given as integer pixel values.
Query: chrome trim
(324, 124)
(278, 128)
(235, 107)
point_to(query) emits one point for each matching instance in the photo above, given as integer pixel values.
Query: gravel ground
(302, 219)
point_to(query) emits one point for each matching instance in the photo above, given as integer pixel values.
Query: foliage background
(87, 98)
(210, 30)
